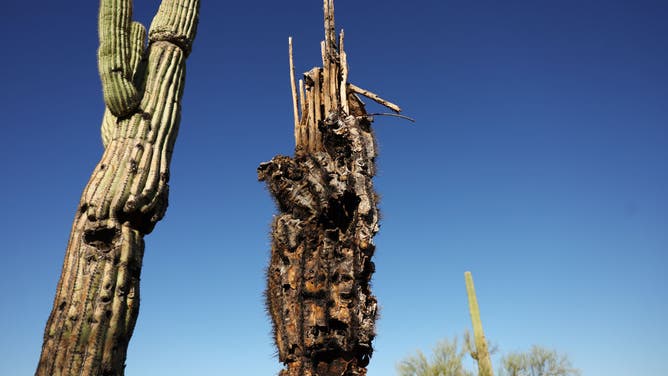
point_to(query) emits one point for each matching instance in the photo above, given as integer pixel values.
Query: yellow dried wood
(294, 90)
(312, 122)
(304, 126)
(343, 64)
(374, 97)
(317, 98)
(301, 99)
(325, 80)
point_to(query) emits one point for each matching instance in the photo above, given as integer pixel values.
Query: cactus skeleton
(97, 298)
(318, 291)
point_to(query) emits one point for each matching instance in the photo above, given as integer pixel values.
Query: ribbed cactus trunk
(97, 299)
(481, 354)
(318, 292)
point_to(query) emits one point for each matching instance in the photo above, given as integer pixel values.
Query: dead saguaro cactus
(97, 298)
(318, 292)
(481, 355)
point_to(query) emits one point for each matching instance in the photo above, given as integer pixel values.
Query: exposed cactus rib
(318, 289)
(97, 299)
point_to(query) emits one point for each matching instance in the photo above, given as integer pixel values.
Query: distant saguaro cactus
(97, 298)
(318, 292)
(481, 354)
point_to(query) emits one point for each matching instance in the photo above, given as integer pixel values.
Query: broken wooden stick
(374, 97)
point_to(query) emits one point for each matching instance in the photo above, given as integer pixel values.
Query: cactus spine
(481, 354)
(318, 292)
(97, 298)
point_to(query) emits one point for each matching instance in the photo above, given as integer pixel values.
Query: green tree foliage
(539, 361)
(446, 360)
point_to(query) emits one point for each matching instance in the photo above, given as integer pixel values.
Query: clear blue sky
(539, 162)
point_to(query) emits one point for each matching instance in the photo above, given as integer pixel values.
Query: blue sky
(538, 162)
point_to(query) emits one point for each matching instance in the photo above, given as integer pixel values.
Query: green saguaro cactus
(481, 353)
(97, 298)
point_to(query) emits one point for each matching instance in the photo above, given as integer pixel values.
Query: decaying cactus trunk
(97, 298)
(481, 355)
(318, 293)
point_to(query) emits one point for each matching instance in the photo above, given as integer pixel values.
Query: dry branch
(294, 89)
(374, 97)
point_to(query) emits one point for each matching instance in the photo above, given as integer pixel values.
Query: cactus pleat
(318, 290)
(97, 298)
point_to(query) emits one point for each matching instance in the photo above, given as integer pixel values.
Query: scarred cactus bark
(318, 292)
(97, 299)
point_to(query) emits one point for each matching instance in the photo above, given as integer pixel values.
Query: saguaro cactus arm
(481, 352)
(120, 94)
(137, 48)
(318, 289)
(97, 298)
(176, 23)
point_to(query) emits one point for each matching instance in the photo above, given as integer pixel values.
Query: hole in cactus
(337, 325)
(318, 329)
(332, 235)
(100, 238)
(346, 295)
(330, 355)
(364, 361)
(341, 212)
(133, 166)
